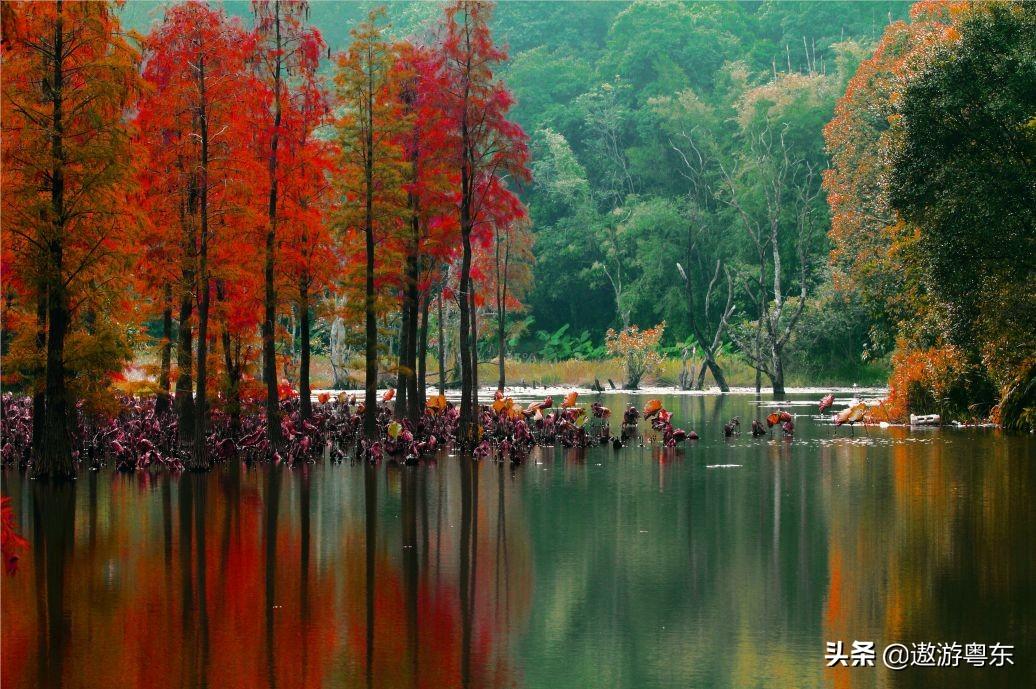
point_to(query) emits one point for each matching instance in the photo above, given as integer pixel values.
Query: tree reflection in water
(638, 568)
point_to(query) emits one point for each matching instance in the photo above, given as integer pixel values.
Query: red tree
(489, 148)
(197, 66)
(428, 236)
(287, 52)
(309, 255)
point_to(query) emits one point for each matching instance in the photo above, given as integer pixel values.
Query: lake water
(729, 563)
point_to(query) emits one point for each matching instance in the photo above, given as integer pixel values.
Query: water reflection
(53, 524)
(729, 563)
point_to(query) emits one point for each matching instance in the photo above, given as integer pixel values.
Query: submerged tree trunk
(232, 366)
(56, 452)
(305, 395)
(232, 363)
(414, 403)
(778, 372)
(269, 346)
(406, 377)
(370, 414)
(501, 308)
(199, 460)
(759, 342)
(501, 344)
(717, 374)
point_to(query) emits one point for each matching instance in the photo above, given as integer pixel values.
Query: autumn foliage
(69, 78)
(922, 382)
(209, 195)
(638, 350)
(930, 234)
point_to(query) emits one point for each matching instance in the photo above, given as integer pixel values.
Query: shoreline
(486, 393)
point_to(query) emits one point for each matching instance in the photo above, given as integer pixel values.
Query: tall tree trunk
(233, 368)
(699, 384)
(414, 404)
(474, 348)
(184, 398)
(468, 361)
(55, 460)
(466, 432)
(199, 458)
(305, 395)
(401, 356)
(422, 357)
(56, 456)
(501, 306)
(162, 404)
(442, 347)
(759, 344)
(39, 397)
(717, 373)
(370, 415)
(778, 372)
(184, 401)
(273, 424)
(501, 337)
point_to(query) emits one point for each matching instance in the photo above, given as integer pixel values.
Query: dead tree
(777, 307)
(708, 324)
(719, 323)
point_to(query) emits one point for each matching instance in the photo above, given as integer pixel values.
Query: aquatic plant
(141, 435)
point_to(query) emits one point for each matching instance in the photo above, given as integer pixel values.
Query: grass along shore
(579, 373)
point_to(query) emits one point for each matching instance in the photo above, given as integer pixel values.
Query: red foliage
(920, 378)
(11, 542)
(197, 61)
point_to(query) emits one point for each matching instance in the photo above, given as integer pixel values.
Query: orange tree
(371, 176)
(69, 77)
(872, 254)
(929, 187)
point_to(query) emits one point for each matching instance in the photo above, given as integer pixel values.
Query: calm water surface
(639, 568)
